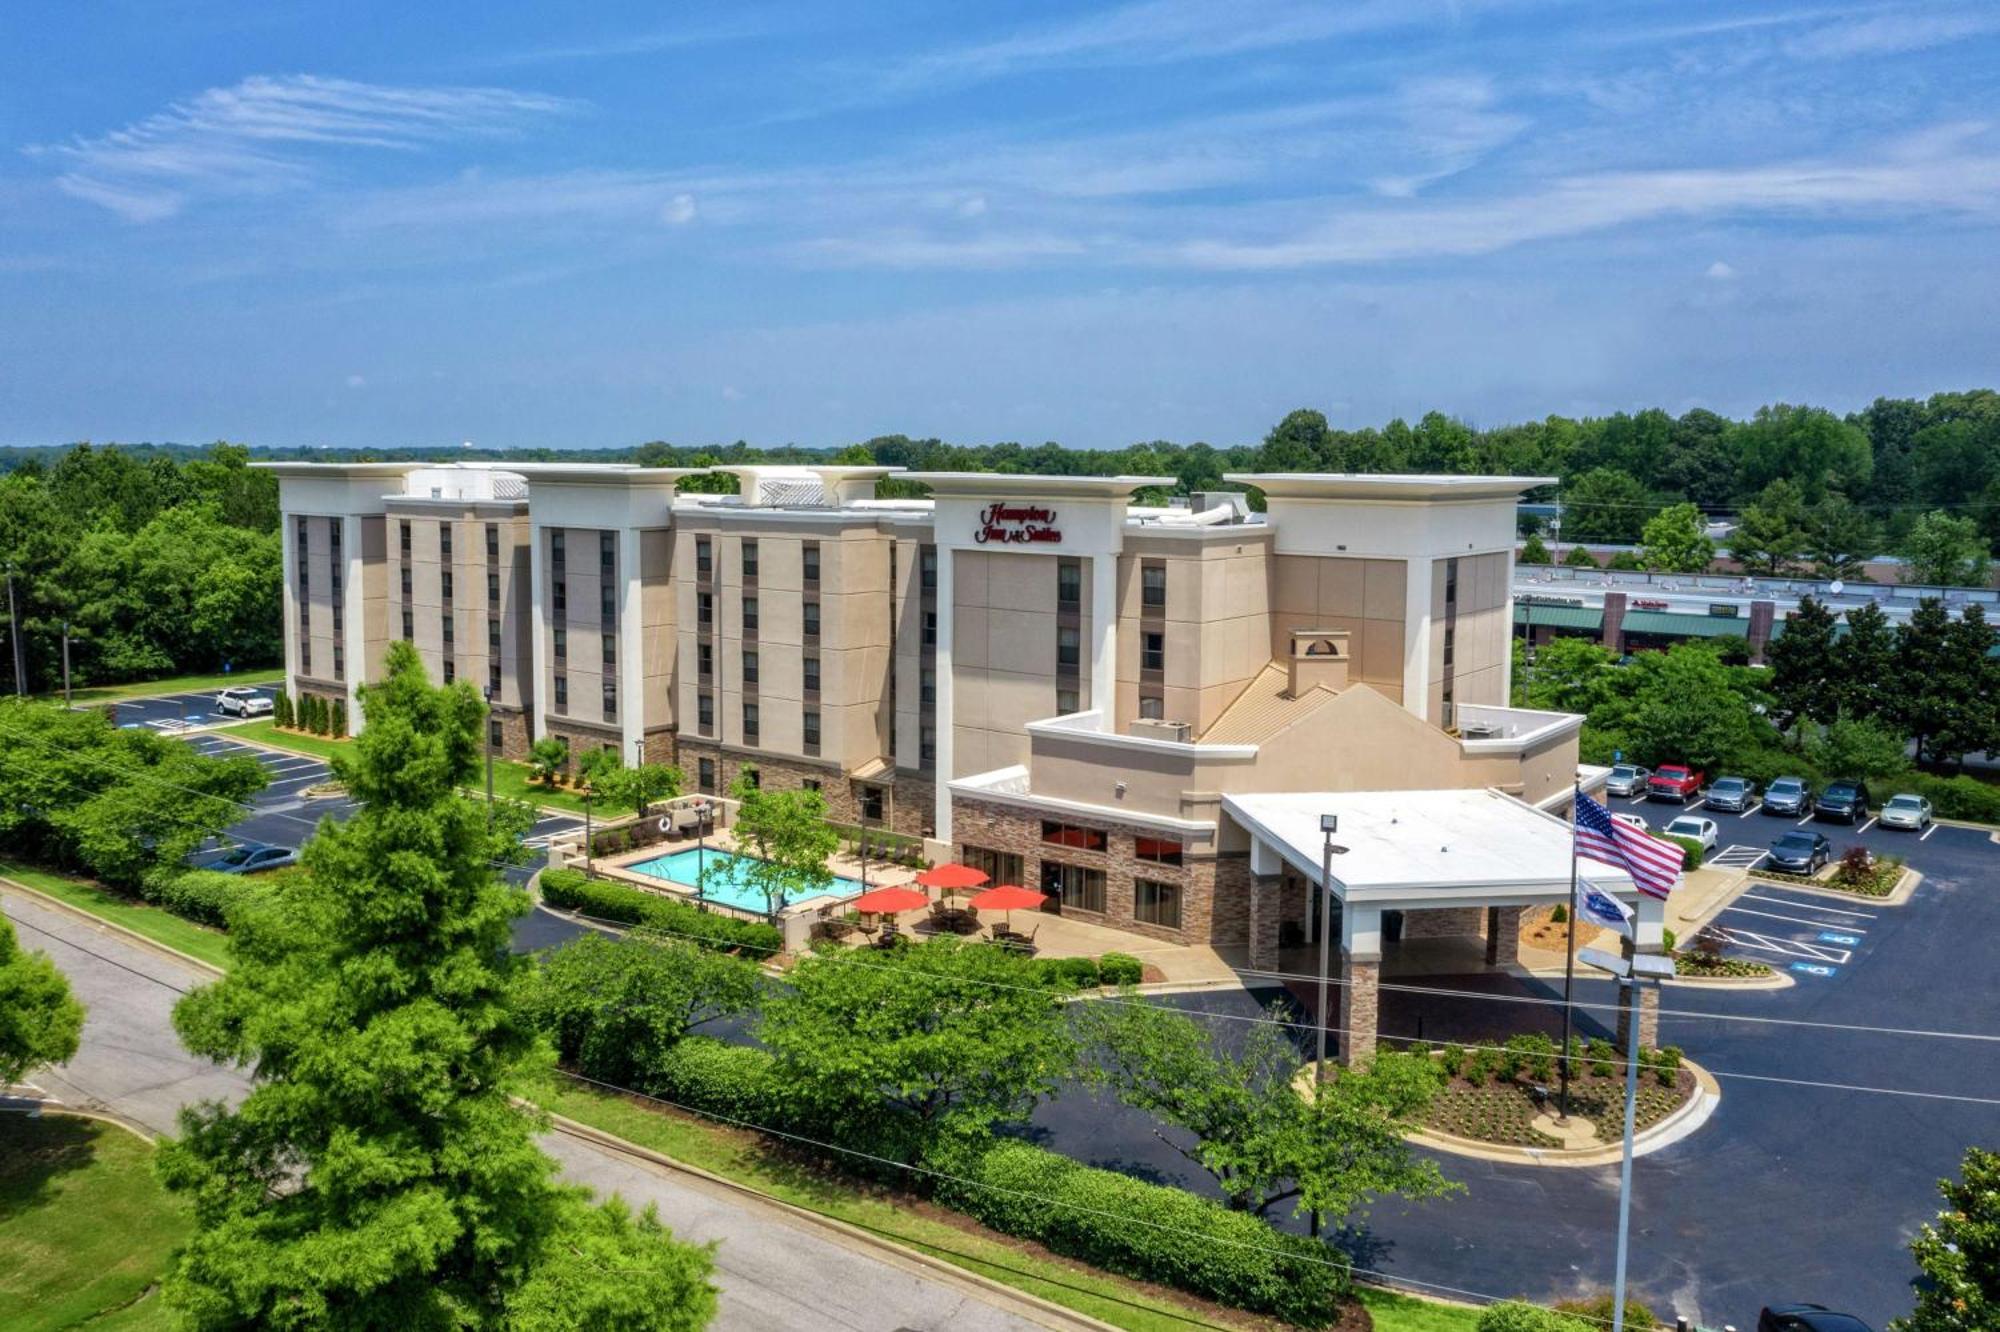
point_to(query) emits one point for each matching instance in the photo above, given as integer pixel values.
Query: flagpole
(1569, 956)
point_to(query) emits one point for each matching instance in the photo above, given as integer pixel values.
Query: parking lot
(173, 714)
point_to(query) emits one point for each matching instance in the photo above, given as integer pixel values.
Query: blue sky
(417, 224)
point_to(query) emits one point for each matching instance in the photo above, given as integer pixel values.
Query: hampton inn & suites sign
(1012, 524)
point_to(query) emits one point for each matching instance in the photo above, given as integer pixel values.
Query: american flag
(1653, 863)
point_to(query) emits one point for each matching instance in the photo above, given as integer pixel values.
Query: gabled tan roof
(1264, 708)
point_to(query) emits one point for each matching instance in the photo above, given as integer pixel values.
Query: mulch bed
(1503, 1112)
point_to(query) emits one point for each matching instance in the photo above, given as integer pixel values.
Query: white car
(1636, 820)
(1907, 811)
(243, 703)
(1695, 830)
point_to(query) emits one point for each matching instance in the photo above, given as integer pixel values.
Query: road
(774, 1271)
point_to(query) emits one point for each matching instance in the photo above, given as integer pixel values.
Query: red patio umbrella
(1006, 897)
(889, 901)
(952, 877)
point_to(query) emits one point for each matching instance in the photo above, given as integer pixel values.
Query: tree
(1534, 550)
(594, 765)
(614, 1008)
(1256, 1137)
(547, 758)
(1809, 446)
(1684, 706)
(1296, 444)
(1579, 558)
(1675, 540)
(1839, 538)
(1959, 1253)
(1570, 674)
(1851, 747)
(1943, 551)
(281, 710)
(1770, 534)
(380, 1172)
(1803, 665)
(1864, 664)
(940, 1036)
(40, 1022)
(1605, 505)
(1944, 682)
(789, 841)
(638, 787)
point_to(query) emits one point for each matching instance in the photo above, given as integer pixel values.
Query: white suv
(243, 703)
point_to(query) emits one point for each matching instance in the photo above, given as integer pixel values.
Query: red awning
(949, 877)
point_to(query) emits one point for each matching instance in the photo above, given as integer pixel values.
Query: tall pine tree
(380, 1174)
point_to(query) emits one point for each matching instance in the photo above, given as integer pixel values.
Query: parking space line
(1864, 827)
(1765, 943)
(1804, 821)
(1927, 833)
(1806, 906)
(1752, 810)
(1796, 920)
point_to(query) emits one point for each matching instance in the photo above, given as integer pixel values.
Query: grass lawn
(142, 918)
(1406, 1313)
(511, 780)
(84, 1228)
(178, 684)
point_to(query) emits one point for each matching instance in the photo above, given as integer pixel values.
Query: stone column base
(1503, 935)
(1649, 1019)
(1265, 911)
(1358, 1007)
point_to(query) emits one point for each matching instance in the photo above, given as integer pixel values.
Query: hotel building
(1134, 708)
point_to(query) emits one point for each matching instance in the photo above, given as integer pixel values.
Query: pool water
(727, 874)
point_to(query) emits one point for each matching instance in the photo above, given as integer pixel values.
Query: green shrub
(1454, 1060)
(1559, 915)
(1120, 969)
(339, 722)
(208, 897)
(281, 709)
(1067, 973)
(1665, 1063)
(1513, 1316)
(1146, 1231)
(1958, 797)
(1668, 939)
(716, 1078)
(1691, 852)
(1603, 1057)
(1533, 1054)
(576, 891)
(1595, 1311)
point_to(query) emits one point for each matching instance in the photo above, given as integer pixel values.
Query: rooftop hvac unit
(1479, 731)
(1152, 728)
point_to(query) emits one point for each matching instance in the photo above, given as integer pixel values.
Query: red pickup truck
(1673, 781)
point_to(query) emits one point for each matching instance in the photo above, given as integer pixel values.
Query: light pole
(1632, 972)
(1329, 824)
(65, 663)
(588, 790)
(489, 757)
(14, 629)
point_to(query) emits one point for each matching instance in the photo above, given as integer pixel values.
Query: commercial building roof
(1264, 708)
(1385, 485)
(1559, 617)
(1686, 626)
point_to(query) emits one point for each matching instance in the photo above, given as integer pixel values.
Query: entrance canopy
(1421, 849)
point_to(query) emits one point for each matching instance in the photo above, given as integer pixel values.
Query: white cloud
(356, 381)
(973, 206)
(256, 136)
(1447, 125)
(1720, 271)
(679, 210)
(730, 393)
(1889, 34)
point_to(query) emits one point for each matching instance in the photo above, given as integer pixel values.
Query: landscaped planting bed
(1857, 872)
(1489, 1096)
(1704, 966)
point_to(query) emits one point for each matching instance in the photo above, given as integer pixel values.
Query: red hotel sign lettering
(1009, 524)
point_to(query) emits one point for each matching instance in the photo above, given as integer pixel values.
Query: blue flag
(1597, 905)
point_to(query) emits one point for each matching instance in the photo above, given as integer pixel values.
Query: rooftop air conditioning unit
(1479, 731)
(1153, 728)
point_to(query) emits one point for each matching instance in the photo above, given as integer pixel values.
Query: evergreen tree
(1864, 664)
(1802, 665)
(339, 723)
(1944, 682)
(380, 1173)
(281, 710)
(1534, 550)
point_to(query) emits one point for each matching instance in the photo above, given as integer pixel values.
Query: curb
(125, 932)
(52, 1107)
(1682, 1122)
(546, 811)
(1900, 895)
(1045, 1312)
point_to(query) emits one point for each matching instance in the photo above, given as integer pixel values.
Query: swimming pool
(726, 877)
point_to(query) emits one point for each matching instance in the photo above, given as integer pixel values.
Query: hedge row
(576, 891)
(1150, 1232)
(1512, 1316)
(207, 897)
(1957, 797)
(1087, 973)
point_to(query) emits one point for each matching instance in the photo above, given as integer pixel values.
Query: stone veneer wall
(514, 739)
(1215, 890)
(1440, 922)
(906, 800)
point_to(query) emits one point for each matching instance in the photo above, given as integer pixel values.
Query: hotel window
(558, 549)
(492, 589)
(1069, 584)
(444, 541)
(930, 628)
(493, 543)
(871, 804)
(809, 784)
(1056, 833)
(705, 775)
(409, 627)
(607, 551)
(450, 670)
(305, 655)
(704, 607)
(1450, 645)
(749, 668)
(704, 557)
(749, 723)
(444, 584)
(493, 634)
(812, 675)
(406, 582)
(1074, 887)
(1451, 585)
(610, 698)
(811, 556)
(998, 866)
(610, 649)
(1152, 707)
(403, 537)
(927, 689)
(705, 659)
(1068, 646)
(749, 559)
(1155, 903)
(812, 619)
(562, 644)
(607, 603)
(561, 594)
(333, 536)
(494, 735)
(1152, 651)
(450, 632)
(927, 566)
(812, 728)
(340, 664)
(927, 744)
(1158, 850)
(493, 679)
(1068, 701)
(749, 615)
(704, 711)
(1152, 584)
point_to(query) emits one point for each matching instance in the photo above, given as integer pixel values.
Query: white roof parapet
(1010, 786)
(1006, 485)
(1386, 485)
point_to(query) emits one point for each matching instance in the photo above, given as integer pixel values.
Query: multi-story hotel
(1135, 709)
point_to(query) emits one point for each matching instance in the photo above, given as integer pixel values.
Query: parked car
(1673, 781)
(242, 702)
(1807, 1318)
(1801, 851)
(1907, 811)
(251, 858)
(1731, 795)
(1846, 801)
(1788, 795)
(1627, 779)
(1636, 820)
(1695, 829)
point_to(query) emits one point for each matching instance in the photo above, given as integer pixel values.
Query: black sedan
(1807, 1318)
(1800, 852)
(1846, 801)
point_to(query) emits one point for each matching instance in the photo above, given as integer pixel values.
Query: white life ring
(666, 824)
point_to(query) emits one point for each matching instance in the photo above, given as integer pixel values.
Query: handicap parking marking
(1847, 940)
(1739, 856)
(1814, 968)
(1804, 906)
(1766, 943)
(1795, 920)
